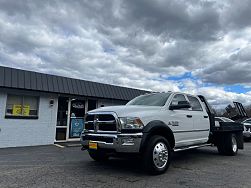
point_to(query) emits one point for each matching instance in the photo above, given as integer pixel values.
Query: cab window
(195, 104)
(177, 99)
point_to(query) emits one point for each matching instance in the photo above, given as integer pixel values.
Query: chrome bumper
(124, 143)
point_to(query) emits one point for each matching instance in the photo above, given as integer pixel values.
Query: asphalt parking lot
(51, 166)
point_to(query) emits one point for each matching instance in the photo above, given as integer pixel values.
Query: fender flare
(157, 127)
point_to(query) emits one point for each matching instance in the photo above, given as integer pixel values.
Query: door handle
(205, 116)
(189, 116)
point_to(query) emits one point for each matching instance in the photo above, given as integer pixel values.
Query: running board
(191, 147)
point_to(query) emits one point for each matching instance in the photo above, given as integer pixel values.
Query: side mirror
(180, 105)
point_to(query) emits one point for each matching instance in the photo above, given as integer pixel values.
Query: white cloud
(133, 43)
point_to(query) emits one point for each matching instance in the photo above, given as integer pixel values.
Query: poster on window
(26, 110)
(17, 110)
(77, 126)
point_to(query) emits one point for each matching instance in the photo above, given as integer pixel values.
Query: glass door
(76, 118)
(62, 119)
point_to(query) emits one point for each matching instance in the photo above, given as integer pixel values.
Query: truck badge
(95, 123)
(173, 123)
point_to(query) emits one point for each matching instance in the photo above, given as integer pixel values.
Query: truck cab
(153, 126)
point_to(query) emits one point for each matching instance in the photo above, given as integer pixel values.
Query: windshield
(156, 99)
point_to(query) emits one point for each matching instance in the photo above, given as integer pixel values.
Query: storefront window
(92, 104)
(21, 107)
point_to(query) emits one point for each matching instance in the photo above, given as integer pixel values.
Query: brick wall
(28, 132)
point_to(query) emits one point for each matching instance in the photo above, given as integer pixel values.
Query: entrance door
(62, 118)
(76, 118)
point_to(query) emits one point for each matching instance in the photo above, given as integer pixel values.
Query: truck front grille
(98, 138)
(100, 122)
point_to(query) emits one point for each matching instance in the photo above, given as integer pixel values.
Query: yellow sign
(93, 145)
(26, 110)
(17, 110)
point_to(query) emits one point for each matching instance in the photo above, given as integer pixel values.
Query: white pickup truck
(156, 124)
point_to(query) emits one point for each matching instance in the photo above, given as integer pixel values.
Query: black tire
(156, 145)
(247, 139)
(228, 145)
(221, 149)
(98, 155)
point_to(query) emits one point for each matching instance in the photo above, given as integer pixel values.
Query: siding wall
(26, 132)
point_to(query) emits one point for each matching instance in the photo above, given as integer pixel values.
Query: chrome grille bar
(101, 122)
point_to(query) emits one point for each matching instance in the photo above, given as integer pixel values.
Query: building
(40, 109)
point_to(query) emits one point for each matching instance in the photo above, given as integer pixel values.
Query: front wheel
(157, 155)
(98, 155)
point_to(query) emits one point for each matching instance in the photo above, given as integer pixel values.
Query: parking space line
(60, 146)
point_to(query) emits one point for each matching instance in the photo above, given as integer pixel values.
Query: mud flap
(220, 139)
(240, 142)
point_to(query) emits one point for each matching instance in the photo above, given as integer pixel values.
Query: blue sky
(237, 88)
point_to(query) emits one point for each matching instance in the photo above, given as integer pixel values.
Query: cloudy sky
(200, 47)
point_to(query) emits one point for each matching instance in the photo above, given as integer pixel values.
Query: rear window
(195, 104)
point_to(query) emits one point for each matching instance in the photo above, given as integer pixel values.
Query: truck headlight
(131, 123)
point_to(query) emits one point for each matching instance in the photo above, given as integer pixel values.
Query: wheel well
(165, 132)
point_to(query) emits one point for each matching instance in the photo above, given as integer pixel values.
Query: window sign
(17, 110)
(78, 105)
(21, 106)
(77, 126)
(26, 110)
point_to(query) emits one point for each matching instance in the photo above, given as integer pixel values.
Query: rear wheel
(98, 155)
(157, 155)
(228, 145)
(247, 139)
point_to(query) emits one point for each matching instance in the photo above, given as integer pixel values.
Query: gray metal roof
(28, 80)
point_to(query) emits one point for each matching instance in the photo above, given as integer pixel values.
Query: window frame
(8, 116)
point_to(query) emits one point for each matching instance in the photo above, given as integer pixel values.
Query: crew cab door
(200, 120)
(181, 122)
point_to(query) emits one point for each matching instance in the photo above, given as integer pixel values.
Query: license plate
(93, 145)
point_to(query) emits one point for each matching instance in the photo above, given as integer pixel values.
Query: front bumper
(122, 142)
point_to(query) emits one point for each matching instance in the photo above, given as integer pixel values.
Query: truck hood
(128, 110)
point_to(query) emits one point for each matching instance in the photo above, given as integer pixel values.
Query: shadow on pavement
(133, 165)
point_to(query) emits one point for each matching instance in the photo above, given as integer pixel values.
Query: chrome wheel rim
(234, 144)
(160, 155)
